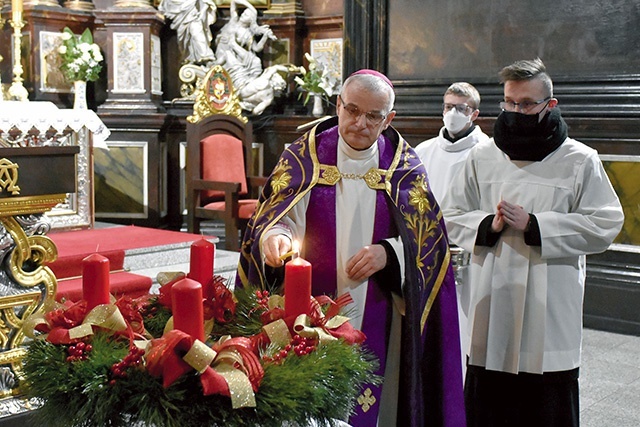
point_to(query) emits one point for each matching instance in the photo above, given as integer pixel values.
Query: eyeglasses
(460, 108)
(373, 117)
(524, 106)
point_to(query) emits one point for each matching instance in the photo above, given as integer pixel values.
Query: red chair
(219, 148)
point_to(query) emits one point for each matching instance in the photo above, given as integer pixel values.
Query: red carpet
(74, 246)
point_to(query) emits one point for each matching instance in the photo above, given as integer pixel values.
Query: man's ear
(475, 115)
(389, 118)
(553, 102)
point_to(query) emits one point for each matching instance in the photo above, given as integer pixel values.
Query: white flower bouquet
(81, 57)
(317, 80)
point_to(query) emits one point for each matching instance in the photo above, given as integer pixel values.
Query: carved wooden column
(131, 41)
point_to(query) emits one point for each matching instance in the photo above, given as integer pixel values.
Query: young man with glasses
(443, 157)
(354, 193)
(529, 205)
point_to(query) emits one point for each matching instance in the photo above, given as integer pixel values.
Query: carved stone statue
(191, 19)
(239, 40)
(260, 92)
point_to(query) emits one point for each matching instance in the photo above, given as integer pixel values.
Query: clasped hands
(367, 261)
(512, 215)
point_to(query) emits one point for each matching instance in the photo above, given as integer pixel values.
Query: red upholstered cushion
(245, 207)
(222, 160)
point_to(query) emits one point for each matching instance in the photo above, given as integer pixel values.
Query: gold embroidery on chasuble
(374, 178)
(366, 400)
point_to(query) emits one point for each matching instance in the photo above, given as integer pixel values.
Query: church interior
(113, 162)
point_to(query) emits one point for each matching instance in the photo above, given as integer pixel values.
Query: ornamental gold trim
(11, 301)
(329, 175)
(216, 95)
(11, 356)
(9, 176)
(366, 400)
(373, 178)
(27, 205)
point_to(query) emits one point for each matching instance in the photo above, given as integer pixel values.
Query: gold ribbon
(239, 385)
(200, 356)
(302, 326)
(278, 332)
(106, 316)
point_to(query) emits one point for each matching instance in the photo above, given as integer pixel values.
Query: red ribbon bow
(165, 358)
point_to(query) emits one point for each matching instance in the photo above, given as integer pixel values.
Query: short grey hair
(373, 84)
(465, 90)
(527, 70)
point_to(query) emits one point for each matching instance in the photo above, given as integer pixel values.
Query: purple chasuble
(321, 236)
(430, 373)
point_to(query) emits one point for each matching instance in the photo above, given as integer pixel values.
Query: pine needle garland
(321, 386)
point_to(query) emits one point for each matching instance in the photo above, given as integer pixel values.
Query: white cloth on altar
(44, 115)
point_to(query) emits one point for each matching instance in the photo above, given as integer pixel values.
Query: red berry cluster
(263, 298)
(78, 351)
(301, 346)
(119, 369)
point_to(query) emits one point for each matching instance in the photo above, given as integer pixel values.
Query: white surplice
(526, 301)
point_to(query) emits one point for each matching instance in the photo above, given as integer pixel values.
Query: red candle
(201, 261)
(297, 287)
(95, 280)
(188, 316)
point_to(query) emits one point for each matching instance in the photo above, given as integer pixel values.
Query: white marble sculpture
(191, 19)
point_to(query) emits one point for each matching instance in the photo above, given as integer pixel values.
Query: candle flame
(293, 253)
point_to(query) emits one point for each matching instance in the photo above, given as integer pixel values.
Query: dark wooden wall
(591, 50)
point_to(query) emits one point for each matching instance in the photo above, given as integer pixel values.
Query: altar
(46, 182)
(43, 124)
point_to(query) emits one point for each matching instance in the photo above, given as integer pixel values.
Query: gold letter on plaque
(9, 176)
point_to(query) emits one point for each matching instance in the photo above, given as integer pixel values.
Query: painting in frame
(328, 52)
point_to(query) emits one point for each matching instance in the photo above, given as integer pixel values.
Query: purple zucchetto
(374, 73)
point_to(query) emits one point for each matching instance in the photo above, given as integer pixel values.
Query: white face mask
(454, 121)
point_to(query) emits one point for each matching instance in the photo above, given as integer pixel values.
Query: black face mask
(527, 137)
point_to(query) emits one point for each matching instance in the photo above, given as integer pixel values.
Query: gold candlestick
(17, 91)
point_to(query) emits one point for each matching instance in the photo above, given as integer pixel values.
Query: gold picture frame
(258, 4)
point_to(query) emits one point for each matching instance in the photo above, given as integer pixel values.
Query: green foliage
(320, 386)
(155, 318)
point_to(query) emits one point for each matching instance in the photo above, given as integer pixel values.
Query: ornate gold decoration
(216, 95)
(17, 91)
(26, 269)
(281, 177)
(366, 400)
(29, 205)
(331, 175)
(285, 7)
(9, 176)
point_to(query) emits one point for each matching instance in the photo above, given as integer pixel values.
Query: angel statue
(192, 19)
(239, 40)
